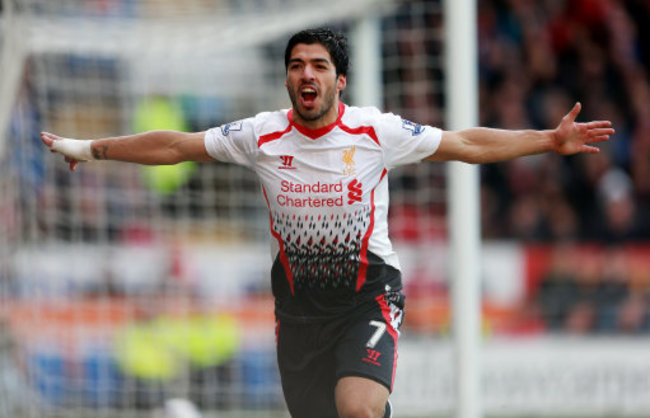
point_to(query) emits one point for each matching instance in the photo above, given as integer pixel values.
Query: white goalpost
(461, 70)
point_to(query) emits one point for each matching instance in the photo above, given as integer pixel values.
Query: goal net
(124, 287)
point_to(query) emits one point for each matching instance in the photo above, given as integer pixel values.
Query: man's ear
(341, 82)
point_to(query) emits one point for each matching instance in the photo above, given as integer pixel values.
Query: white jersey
(327, 193)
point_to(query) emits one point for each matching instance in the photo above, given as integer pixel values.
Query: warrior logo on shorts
(372, 357)
(415, 128)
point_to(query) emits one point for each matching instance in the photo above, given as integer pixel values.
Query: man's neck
(327, 119)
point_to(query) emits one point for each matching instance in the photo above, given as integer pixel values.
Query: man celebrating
(323, 167)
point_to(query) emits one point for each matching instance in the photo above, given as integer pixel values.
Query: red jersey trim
(385, 312)
(284, 260)
(273, 136)
(363, 254)
(368, 130)
(317, 133)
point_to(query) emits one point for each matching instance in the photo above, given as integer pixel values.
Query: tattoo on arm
(99, 153)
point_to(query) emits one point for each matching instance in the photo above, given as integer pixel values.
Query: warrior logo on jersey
(287, 162)
(233, 126)
(348, 160)
(415, 128)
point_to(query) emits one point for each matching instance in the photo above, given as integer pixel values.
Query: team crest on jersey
(348, 160)
(232, 126)
(415, 128)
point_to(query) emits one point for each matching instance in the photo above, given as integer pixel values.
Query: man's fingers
(600, 134)
(70, 153)
(47, 140)
(599, 124)
(589, 149)
(72, 163)
(573, 114)
(574, 137)
(603, 131)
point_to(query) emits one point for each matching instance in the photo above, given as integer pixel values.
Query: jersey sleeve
(233, 142)
(405, 142)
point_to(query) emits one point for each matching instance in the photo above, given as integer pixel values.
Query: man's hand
(571, 137)
(74, 150)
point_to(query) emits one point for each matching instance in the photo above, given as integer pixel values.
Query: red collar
(317, 133)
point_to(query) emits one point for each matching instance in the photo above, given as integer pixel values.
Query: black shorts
(313, 357)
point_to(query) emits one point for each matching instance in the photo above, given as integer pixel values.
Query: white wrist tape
(77, 149)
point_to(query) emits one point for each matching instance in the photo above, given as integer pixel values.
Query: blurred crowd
(595, 290)
(537, 58)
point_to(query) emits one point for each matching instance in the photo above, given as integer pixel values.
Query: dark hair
(335, 43)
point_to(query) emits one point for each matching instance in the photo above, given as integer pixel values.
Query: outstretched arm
(150, 148)
(486, 145)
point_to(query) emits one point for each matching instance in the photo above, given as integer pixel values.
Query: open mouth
(308, 95)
